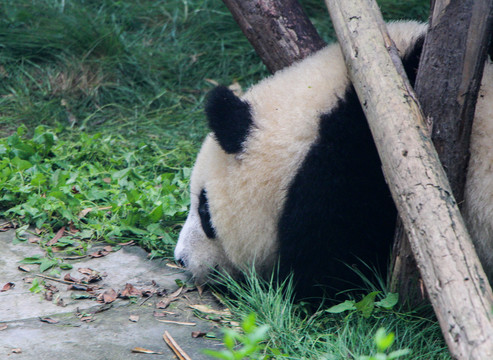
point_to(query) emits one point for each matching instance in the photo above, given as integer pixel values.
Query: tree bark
(447, 87)
(451, 272)
(278, 30)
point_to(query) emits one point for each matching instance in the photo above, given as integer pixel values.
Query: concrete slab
(111, 335)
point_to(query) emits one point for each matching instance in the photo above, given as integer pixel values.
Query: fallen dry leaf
(145, 351)
(6, 227)
(99, 253)
(34, 239)
(174, 266)
(28, 280)
(93, 275)
(131, 242)
(108, 296)
(57, 236)
(84, 212)
(198, 334)
(163, 313)
(163, 304)
(8, 286)
(69, 278)
(3, 327)
(134, 318)
(17, 351)
(129, 291)
(24, 268)
(49, 320)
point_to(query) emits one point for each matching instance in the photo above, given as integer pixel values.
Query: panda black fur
(290, 172)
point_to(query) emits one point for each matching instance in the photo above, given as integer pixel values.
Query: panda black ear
(229, 118)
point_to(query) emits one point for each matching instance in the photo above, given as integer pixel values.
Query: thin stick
(182, 355)
(177, 322)
(55, 279)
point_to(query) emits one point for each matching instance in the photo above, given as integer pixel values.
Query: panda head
(234, 205)
(290, 172)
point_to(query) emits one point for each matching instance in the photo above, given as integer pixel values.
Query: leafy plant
(367, 305)
(94, 187)
(246, 345)
(383, 342)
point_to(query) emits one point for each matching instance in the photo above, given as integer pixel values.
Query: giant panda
(289, 178)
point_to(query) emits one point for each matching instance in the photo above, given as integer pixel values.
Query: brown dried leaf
(99, 253)
(79, 287)
(6, 227)
(49, 320)
(134, 318)
(108, 296)
(3, 327)
(93, 275)
(28, 280)
(24, 268)
(174, 266)
(69, 277)
(107, 180)
(49, 295)
(131, 242)
(84, 212)
(8, 286)
(51, 287)
(198, 334)
(129, 291)
(34, 239)
(145, 351)
(57, 236)
(86, 271)
(17, 351)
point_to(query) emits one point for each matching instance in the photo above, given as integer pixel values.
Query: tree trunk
(447, 87)
(278, 30)
(451, 272)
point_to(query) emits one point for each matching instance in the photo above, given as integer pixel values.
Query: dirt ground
(105, 307)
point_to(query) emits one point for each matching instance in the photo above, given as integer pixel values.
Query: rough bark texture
(453, 277)
(447, 87)
(279, 30)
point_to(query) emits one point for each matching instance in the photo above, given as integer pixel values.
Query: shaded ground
(86, 329)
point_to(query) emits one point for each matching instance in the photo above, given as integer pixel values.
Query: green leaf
(339, 308)
(398, 353)
(367, 304)
(47, 264)
(20, 164)
(36, 259)
(35, 287)
(383, 340)
(389, 301)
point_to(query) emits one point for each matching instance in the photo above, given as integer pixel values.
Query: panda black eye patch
(205, 216)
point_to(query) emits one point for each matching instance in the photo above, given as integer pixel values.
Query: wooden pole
(278, 30)
(447, 86)
(455, 281)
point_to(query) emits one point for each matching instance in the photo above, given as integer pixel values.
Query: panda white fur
(290, 173)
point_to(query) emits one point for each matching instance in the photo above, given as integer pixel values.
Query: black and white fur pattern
(290, 172)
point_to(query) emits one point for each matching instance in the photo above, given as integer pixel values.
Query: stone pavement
(110, 335)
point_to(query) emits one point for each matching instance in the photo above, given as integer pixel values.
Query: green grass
(118, 89)
(300, 333)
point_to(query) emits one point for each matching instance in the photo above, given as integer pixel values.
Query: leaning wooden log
(278, 30)
(447, 87)
(451, 272)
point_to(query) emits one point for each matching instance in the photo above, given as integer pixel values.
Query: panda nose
(180, 262)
